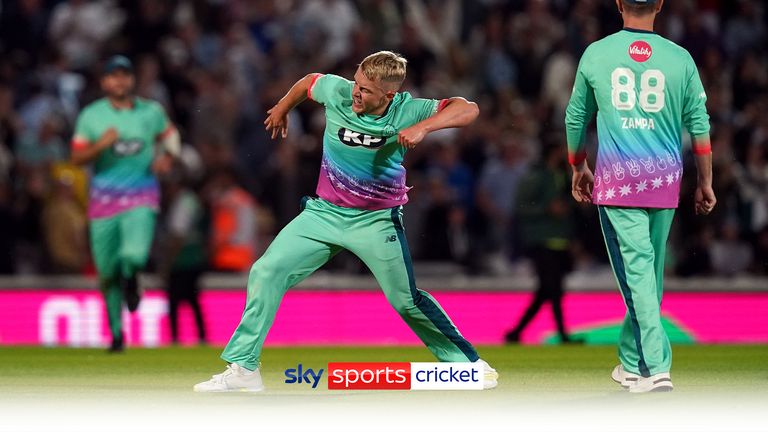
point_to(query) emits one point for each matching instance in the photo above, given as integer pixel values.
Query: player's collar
(634, 30)
(133, 105)
(386, 110)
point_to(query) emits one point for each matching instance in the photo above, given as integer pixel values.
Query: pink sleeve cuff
(702, 149)
(312, 85)
(577, 158)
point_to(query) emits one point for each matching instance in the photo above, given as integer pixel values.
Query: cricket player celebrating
(118, 134)
(644, 89)
(361, 191)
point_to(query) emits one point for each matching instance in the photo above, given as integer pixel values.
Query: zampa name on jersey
(637, 123)
(355, 139)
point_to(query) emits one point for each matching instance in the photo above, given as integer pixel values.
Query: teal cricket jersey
(362, 161)
(122, 178)
(644, 89)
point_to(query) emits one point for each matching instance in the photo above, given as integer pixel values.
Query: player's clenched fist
(582, 183)
(411, 136)
(108, 137)
(705, 200)
(277, 122)
(162, 164)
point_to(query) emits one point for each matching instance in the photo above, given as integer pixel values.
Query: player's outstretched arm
(277, 116)
(88, 153)
(705, 195)
(456, 112)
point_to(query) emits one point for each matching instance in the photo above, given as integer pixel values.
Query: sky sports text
(301, 375)
(391, 376)
(405, 376)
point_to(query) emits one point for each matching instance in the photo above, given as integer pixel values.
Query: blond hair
(386, 67)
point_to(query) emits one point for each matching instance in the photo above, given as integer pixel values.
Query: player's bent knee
(404, 308)
(265, 272)
(134, 260)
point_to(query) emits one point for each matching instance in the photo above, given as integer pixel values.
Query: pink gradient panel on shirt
(77, 318)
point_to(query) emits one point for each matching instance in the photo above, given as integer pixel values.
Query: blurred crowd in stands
(218, 65)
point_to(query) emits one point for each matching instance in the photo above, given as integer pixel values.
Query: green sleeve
(84, 131)
(422, 109)
(695, 117)
(161, 120)
(581, 108)
(328, 88)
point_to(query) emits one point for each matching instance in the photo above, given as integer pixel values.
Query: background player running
(117, 134)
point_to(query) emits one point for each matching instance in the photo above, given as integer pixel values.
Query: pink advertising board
(77, 318)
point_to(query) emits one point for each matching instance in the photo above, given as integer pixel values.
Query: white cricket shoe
(235, 378)
(661, 382)
(490, 376)
(626, 379)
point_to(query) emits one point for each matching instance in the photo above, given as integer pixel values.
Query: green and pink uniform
(361, 191)
(124, 194)
(644, 89)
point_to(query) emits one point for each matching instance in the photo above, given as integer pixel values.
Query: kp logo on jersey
(127, 147)
(355, 139)
(640, 51)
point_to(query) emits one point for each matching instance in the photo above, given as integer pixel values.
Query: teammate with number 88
(644, 89)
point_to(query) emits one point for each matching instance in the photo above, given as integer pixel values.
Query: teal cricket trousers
(636, 239)
(120, 246)
(318, 233)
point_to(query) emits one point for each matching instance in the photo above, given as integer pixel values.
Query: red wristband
(577, 158)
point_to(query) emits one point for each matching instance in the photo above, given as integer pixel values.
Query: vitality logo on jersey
(127, 147)
(355, 139)
(640, 51)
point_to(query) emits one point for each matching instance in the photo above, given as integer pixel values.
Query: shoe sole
(663, 389)
(626, 382)
(240, 390)
(660, 385)
(490, 380)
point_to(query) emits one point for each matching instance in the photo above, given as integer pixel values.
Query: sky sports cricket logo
(391, 376)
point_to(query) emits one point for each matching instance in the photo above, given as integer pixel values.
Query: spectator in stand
(65, 227)
(233, 223)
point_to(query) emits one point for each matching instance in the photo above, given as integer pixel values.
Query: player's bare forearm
(85, 155)
(277, 116)
(702, 151)
(704, 170)
(704, 198)
(297, 94)
(88, 154)
(457, 112)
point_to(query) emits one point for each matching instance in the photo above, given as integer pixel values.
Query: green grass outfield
(533, 379)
